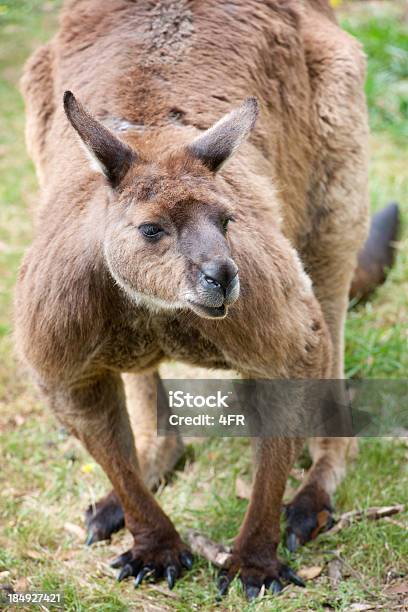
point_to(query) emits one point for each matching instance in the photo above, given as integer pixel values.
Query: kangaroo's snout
(217, 287)
(219, 277)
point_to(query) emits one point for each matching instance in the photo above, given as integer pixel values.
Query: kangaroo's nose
(219, 274)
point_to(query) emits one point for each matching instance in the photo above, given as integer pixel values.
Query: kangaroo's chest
(143, 340)
(182, 342)
(130, 344)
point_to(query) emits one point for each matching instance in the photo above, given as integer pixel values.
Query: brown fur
(157, 74)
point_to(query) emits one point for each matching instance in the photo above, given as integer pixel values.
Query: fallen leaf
(68, 554)
(360, 607)
(75, 530)
(34, 554)
(310, 573)
(335, 572)
(21, 584)
(243, 489)
(397, 589)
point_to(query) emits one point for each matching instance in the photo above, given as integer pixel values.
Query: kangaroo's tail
(378, 253)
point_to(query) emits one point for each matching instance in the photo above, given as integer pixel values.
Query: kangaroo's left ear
(220, 141)
(107, 153)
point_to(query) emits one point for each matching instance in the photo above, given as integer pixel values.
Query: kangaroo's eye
(225, 224)
(151, 230)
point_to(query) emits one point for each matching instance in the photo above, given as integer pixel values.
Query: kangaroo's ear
(220, 141)
(107, 153)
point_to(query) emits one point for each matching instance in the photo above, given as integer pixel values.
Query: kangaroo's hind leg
(311, 509)
(156, 455)
(338, 200)
(95, 411)
(331, 270)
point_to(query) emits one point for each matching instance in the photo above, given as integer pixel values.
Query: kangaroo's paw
(255, 573)
(104, 518)
(308, 514)
(156, 556)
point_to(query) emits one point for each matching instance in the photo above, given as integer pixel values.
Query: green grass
(385, 42)
(376, 334)
(46, 478)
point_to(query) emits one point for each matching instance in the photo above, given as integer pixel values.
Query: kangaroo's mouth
(209, 312)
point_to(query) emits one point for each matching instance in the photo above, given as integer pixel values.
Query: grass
(385, 43)
(47, 479)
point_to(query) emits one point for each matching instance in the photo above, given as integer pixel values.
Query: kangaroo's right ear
(217, 144)
(107, 153)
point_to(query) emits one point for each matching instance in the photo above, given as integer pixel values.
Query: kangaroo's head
(166, 235)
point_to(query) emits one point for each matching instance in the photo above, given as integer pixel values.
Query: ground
(47, 479)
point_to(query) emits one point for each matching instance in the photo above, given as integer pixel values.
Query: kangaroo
(203, 199)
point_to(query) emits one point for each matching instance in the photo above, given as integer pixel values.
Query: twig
(217, 554)
(397, 523)
(373, 514)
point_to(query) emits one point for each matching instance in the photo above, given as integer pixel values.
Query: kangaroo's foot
(257, 568)
(104, 518)
(254, 557)
(155, 555)
(308, 514)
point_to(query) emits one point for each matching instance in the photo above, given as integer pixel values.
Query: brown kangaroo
(227, 244)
